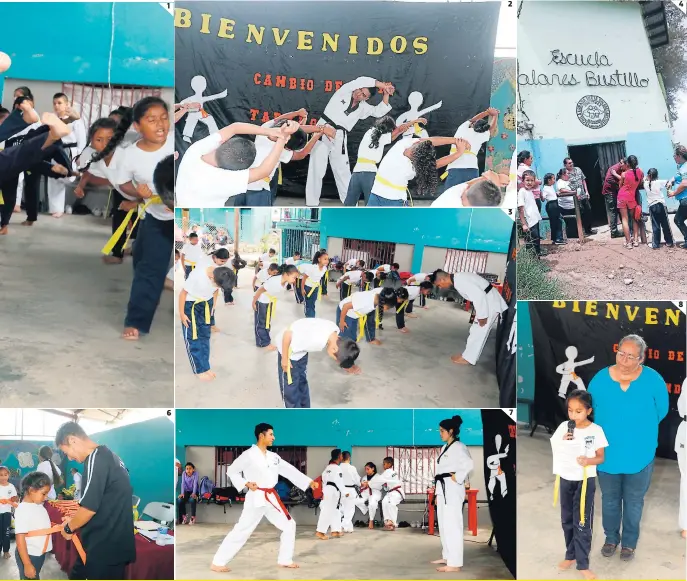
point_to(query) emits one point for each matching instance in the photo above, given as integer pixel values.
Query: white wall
(334, 246)
(614, 29)
(496, 264)
(404, 256)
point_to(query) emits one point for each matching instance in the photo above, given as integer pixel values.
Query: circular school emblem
(593, 111)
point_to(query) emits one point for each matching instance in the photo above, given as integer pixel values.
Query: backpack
(205, 489)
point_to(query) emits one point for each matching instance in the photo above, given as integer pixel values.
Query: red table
(152, 561)
(471, 495)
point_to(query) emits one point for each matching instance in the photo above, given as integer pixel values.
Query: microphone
(571, 426)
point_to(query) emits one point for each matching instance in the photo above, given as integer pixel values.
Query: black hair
(34, 481)
(389, 460)
(527, 173)
(566, 160)
(271, 251)
(163, 180)
(261, 429)
(122, 111)
(424, 161)
(425, 284)
(347, 353)
(69, 429)
(452, 424)
(481, 125)
(19, 100)
(176, 252)
(119, 132)
(561, 173)
(547, 177)
(238, 263)
(4, 111)
(681, 151)
(395, 265)
(45, 452)
(346, 455)
(235, 154)
(296, 253)
(402, 293)
(273, 266)
(632, 162)
(323, 250)
(224, 278)
(484, 193)
(652, 174)
(335, 453)
(191, 464)
(60, 96)
(369, 277)
(25, 91)
(361, 263)
(193, 235)
(297, 140)
(287, 268)
(584, 397)
(383, 125)
(221, 253)
(374, 468)
(339, 265)
(318, 254)
(387, 297)
(438, 273)
(523, 155)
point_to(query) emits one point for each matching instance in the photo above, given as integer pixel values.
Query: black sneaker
(559, 242)
(627, 554)
(608, 550)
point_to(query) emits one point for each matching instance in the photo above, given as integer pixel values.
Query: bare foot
(459, 360)
(215, 329)
(112, 260)
(218, 569)
(439, 562)
(354, 370)
(684, 533)
(7, 556)
(587, 574)
(375, 342)
(270, 347)
(563, 565)
(3, 232)
(291, 566)
(58, 128)
(17, 209)
(426, 308)
(412, 316)
(336, 535)
(58, 214)
(27, 223)
(229, 304)
(130, 334)
(447, 569)
(322, 536)
(206, 376)
(371, 525)
(405, 330)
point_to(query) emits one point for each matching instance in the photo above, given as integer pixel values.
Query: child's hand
(289, 128)
(181, 496)
(568, 436)
(525, 227)
(462, 145)
(285, 364)
(343, 326)
(78, 192)
(583, 461)
(184, 320)
(329, 131)
(127, 205)
(303, 114)
(29, 571)
(255, 306)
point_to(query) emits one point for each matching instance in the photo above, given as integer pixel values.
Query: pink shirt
(630, 183)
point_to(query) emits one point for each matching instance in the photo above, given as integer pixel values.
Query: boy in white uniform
(265, 302)
(394, 495)
(353, 313)
(347, 282)
(8, 499)
(258, 469)
(295, 343)
(311, 282)
(190, 254)
(293, 259)
(333, 492)
(405, 309)
(346, 107)
(352, 481)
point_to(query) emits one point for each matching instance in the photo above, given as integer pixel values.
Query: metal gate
(226, 455)
(96, 101)
(307, 242)
(609, 154)
(373, 253)
(465, 261)
(415, 467)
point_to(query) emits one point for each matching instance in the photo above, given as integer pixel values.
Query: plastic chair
(135, 500)
(161, 512)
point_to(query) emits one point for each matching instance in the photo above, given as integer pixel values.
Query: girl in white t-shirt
(312, 276)
(578, 448)
(550, 198)
(197, 302)
(657, 208)
(8, 499)
(406, 300)
(265, 301)
(356, 315)
(30, 516)
(47, 466)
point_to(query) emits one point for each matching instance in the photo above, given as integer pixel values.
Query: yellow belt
(583, 496)
(403, 306)
(279, 179)
(453, 150)
(381, 180)
(362, 321)
(288, 371)
(367, 286)
(270, 310)
(418, 129)
(365, 160)
(122, 227)
(2, 200)
(350, 289)
(312, 289)
(193, 317)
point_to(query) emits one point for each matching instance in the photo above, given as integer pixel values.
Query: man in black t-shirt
(105, 515)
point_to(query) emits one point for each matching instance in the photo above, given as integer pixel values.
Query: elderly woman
(630, 400)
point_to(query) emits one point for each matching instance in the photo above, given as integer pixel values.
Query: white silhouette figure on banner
(494, 465)
(567, 370)
(199, 84)
(415, 100)
(512, 343)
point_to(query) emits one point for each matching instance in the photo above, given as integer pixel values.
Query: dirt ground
(603, 268)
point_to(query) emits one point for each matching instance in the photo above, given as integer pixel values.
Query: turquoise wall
(525, 383)
(56, 41)
(500, 148)
(322, 427)
(484, 229)
(10, 451)
(254, 223)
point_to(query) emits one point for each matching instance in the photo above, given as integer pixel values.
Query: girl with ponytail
(370, 152)
(311, 281)
(265, 302)
(370, 491)
(47, 466)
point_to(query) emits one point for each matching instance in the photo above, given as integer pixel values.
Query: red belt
(269, 491)
(397, 488)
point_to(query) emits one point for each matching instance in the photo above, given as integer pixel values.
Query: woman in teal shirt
(630, 400)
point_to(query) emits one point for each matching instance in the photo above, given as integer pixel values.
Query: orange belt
(8, 501)
(57, 528)
(268, 492)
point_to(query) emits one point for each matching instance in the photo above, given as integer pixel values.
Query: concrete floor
(61, 315)
(661, 550)
(51, 569)
(364, 554)
(407, 370)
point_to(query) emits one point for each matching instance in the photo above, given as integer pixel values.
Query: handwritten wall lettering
(580, 60)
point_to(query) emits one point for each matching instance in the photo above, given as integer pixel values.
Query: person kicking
(258, 469)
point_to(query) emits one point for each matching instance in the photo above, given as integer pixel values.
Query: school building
(254, 223)
(100, 54)
(212, 439)
(593, 95)
(456, 240)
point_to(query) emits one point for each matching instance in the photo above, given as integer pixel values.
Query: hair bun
(458, 421)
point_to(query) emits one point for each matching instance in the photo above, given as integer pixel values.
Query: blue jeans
(622, 500)
(376, 200)
(360, 186)
(460, 175)
(37, 562)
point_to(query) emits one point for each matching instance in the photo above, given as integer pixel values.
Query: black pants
(409, 308)
(659, 219)
(5, 524)
(37, 563)
(117, 219)
(97, 569)
(274, 185)
(538, 202)
(9, 194)
(611, 201)
(184, 503)
(578, 536)
(554, 212)
(586, 215)
(400, 316)
(32, 184)
(345, 291)
(423, 300)
(680, 218)
(532, 240)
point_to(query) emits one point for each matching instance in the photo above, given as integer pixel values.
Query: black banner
(506, 343)
(499, 433)
(276, 57)
(565, 331)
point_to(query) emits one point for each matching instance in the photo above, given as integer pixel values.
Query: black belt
(440, 479)
(488, 287)
(338, 503)
(340, 128)
(357, 488)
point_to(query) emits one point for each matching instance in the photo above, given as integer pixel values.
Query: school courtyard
(62, 314)
(660, 552)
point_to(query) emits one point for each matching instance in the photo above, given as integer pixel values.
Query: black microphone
(571, 426)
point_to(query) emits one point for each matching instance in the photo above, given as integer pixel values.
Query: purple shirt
(189, 483)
